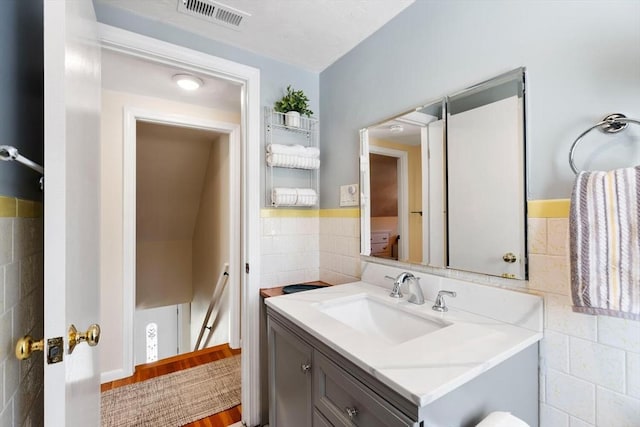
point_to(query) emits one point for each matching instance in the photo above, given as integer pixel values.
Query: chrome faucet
(416, 297)
(440, 304)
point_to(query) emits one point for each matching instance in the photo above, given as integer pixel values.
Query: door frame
(403, 194)
(132, 116)
(249, 79)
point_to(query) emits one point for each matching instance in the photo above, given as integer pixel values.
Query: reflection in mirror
(486, 179)
(398, 181)
(444, 184)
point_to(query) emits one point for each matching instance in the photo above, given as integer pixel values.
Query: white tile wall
(552, 417)
(598, 364)
(576, 422)
(290, 251)
(617, 410)
(633, 375)
(339, 250)
(555, 351)
(21, 313)
(571, 395)
(590, 365)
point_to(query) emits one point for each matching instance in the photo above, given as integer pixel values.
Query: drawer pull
(305, 367)
(351, 412)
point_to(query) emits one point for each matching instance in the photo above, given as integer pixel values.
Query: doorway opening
(389, 202)
(183, 240)
(182, 225)
(243, 131)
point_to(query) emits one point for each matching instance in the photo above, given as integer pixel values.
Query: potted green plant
(294, 103)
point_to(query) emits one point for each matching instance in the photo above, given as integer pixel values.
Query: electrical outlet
(349, 195)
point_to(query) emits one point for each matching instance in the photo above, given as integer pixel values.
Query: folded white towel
(283, 196)
(502, 419)
(295, 150)
(292, 161)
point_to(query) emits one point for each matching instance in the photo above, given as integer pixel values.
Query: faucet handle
(395, 292)
(450, 293)
(440, 304)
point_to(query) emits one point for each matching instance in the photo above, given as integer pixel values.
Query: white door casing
(249, 79)
(72, 207)
(131, 116)
(436, 215)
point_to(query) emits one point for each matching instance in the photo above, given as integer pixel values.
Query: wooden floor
(178, 363)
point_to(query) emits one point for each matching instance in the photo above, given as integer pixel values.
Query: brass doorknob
(27, 345)
(509, 257)
(91, 337)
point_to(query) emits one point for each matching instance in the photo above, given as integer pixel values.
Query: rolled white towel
(295, 150)
(291, 161)
(312, 152)
(502, 419)
(306, 197)
(282, 196)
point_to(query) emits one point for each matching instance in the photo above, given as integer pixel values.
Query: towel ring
(613, 123)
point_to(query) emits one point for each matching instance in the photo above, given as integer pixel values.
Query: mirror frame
(365, 208)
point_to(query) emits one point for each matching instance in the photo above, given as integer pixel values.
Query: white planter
(292, 118)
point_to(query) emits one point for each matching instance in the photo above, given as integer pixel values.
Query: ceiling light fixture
(187, 81)
(396, 129)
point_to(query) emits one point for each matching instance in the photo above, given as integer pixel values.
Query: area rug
(174, 399)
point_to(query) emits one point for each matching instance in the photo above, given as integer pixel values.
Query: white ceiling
(127, 73)
(311, 34)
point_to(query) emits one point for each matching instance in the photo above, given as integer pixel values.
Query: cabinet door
(344, 401)
(290, 403)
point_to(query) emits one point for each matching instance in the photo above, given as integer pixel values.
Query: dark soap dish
(291, 289)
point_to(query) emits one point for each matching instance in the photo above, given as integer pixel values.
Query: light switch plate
(349, 195)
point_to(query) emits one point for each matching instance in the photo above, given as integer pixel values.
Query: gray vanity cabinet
(307, 388)
(311, 384)
(290, 362)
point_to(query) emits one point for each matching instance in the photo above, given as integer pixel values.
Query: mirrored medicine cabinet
(444, 184)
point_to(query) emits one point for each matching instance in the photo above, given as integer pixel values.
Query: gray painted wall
(274, 75)
(582, 60)
(21, 95)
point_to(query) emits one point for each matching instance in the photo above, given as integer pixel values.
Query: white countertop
(421, 369)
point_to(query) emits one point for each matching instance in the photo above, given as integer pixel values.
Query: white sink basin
(372, 317)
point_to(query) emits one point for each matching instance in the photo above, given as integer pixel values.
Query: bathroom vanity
(351, 355)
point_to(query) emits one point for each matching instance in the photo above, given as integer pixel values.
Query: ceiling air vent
(213, 12)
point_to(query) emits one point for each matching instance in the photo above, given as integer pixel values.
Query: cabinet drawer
(377, 237)
(380, 248)
(336, 394)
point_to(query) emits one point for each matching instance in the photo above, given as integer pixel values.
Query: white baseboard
(116, 374)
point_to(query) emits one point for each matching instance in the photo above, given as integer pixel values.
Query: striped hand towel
(604, 224)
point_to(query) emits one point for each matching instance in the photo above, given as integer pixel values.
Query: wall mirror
(444, 184)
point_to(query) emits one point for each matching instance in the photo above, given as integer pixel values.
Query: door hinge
(246, 268)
